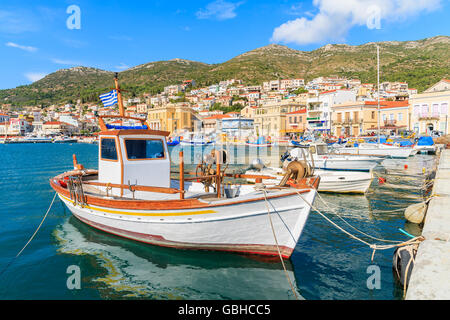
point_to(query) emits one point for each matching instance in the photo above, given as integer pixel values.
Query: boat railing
(79, 171)
(104, 127)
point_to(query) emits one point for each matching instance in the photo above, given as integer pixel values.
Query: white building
(319, 108)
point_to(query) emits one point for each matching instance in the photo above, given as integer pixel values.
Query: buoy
(406, 166)
(415, 213)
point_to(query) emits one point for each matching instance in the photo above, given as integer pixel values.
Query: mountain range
(420, 63)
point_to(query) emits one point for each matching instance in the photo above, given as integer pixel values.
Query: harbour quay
(431, 273)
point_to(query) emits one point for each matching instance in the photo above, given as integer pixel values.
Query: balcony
(347, 122)
(390, 123)
(428, 117)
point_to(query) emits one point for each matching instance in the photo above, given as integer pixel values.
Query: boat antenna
(119, 95)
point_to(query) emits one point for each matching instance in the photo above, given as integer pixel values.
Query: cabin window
(108, 149)
(322, 150)
(140, 149)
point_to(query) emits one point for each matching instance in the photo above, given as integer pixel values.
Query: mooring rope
(373, 246)
(32, 237)
(353, 227)
(354, 210)
(276, 242)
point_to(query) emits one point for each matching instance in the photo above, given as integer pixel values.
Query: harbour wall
(430, 277)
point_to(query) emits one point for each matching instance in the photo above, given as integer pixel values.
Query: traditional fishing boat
(132, 195)
(195, 140)
(261, 142)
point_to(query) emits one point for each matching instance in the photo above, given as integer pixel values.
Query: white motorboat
(373, 149)
(36, 139)
(132, 195)
(330, 181)
(318, 156)
(195, 140)
(65, 139)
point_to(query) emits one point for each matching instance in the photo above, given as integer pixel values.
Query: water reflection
(132, 269)
(326, 264)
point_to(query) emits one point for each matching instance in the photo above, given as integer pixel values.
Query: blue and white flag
(109, 99)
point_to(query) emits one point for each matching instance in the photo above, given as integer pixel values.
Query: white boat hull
(393, 152)
(330, 181)
(346, 164)
(243, 227)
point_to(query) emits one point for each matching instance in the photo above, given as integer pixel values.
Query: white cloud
(18, 46)
(122, 66)
(12, 22)
(34, 76)
(67, 62)
(219, 10)
(336, 18)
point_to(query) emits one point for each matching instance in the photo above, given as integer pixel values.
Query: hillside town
(278, 108)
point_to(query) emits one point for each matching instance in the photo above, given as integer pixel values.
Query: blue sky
(116, 34)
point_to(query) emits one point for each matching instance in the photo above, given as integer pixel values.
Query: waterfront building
(270, 118)
(296, 122)
(395, 115)
(174, 117)
(319, 108)
(58, 128)
(430, 109)
(212, 123)
(354, 118)
(236, 127)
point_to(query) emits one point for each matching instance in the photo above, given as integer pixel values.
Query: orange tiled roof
(297, 112)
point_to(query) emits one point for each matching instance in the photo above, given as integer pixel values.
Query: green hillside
(420, 63)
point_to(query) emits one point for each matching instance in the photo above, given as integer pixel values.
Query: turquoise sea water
(326, 263)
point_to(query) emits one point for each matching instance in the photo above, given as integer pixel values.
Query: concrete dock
(430, 277)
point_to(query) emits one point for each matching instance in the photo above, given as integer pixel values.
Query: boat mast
(119, 95)
(378, 94)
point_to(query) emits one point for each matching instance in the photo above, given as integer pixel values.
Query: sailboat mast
(119, 95)
(378, 86)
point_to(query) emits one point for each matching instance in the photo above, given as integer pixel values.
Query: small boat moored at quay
(132, 195)
(318, 155)
(261, 142)
(195, 140)
(425, 144)
(330, 180)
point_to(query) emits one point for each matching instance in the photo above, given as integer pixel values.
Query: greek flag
(109, 99)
